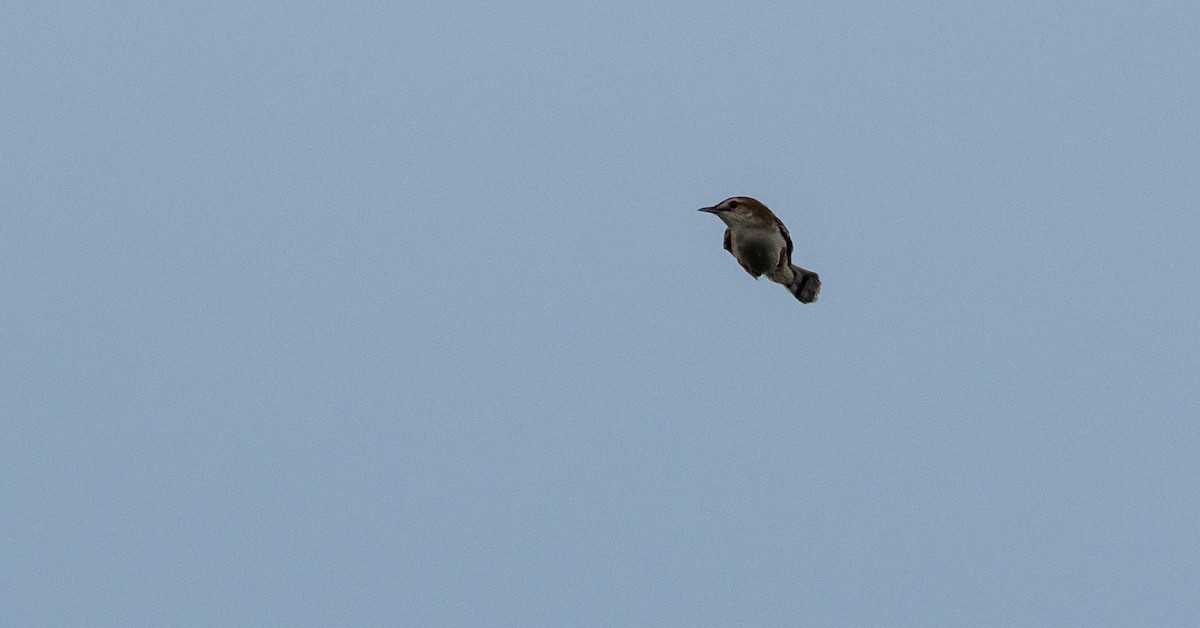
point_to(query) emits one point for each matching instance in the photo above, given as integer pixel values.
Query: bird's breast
(758, 251)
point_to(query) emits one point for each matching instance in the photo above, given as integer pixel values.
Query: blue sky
(403, 314)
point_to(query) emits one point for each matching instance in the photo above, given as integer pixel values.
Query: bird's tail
(805, 284)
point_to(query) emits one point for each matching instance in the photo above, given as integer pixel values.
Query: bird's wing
(728, 244)
(787, 238)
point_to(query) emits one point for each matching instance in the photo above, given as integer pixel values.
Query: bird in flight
(761, 244)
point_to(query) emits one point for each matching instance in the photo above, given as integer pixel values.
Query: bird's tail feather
(805, 284)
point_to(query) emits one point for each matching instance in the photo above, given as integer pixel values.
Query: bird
(762, 245)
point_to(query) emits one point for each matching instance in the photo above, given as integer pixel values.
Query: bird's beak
(711, 210)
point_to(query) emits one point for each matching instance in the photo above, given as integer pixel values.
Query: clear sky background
(403, 314)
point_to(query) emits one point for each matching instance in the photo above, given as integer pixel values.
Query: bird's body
(760, 242)
(757, 249)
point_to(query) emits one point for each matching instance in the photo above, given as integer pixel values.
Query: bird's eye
(733, 204)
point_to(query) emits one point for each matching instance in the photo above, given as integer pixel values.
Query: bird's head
(739, 210)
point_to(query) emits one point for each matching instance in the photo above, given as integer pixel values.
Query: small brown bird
(762, 245)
